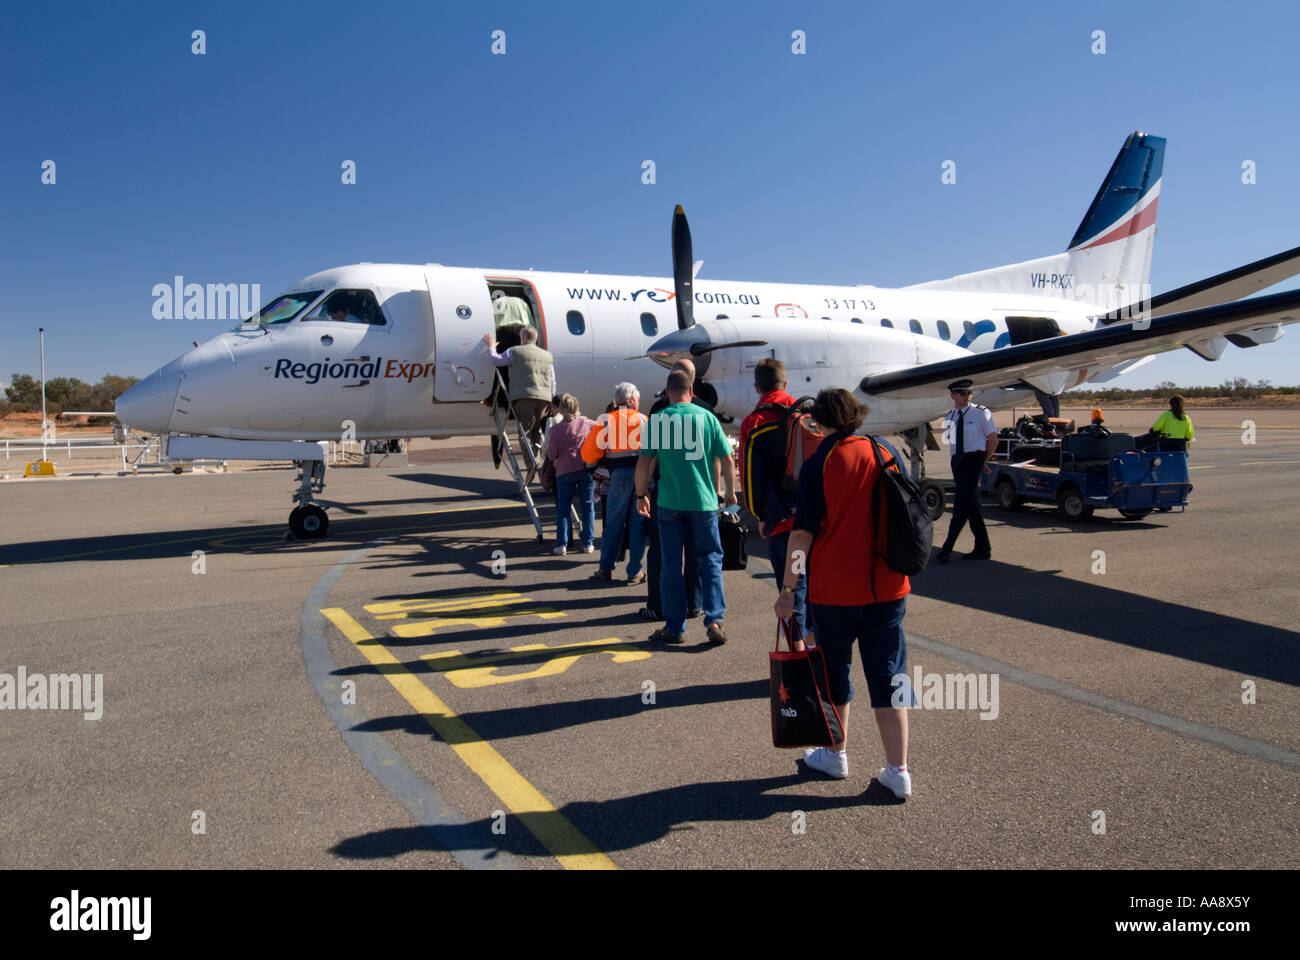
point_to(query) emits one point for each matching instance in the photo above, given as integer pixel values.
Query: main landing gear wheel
(309, 522)
(1072, 505)
(933, 497)
(1007, 497)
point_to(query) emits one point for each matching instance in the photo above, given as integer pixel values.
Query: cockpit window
(349, 306)
(282, 309)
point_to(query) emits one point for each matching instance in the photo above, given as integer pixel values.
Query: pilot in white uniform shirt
(976, 426)
(968, 429)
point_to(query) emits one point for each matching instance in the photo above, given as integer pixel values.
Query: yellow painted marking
(472, 672)
(486, 609)
(1206, 466)
(565, 841)
(1252, 463)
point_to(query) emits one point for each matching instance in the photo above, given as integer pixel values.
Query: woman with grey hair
(564, 447)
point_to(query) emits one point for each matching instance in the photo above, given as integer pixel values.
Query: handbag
(735, 549)
(799, 689)
(546, 475)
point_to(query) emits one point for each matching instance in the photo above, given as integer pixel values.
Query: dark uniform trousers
(966, 471)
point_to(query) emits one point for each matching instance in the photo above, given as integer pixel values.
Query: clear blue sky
(225, 168)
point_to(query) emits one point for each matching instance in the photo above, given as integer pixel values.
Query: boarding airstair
(531, 456)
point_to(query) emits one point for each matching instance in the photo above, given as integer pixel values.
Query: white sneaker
(900, 784)
(559, 551)
(832, 764)
(589, 548)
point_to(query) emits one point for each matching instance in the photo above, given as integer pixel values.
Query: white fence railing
(339, 452)
(25, 446)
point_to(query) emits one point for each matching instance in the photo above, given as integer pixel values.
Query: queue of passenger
(669, 472)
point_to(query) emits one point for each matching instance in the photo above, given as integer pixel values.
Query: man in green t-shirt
(685, 441)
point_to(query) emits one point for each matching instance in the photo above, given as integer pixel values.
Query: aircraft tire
(309, 522)
(933, 497)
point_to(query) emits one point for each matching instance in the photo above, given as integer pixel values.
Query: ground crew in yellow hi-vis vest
(1174, 427)
(615, 441)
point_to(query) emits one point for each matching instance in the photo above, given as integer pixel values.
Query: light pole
(45, 433)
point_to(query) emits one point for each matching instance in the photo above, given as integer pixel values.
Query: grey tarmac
(224, 691)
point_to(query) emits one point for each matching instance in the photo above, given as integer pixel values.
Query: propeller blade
(682, 273)
(698, 349)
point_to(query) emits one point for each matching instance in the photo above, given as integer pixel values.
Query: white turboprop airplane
(397, 350)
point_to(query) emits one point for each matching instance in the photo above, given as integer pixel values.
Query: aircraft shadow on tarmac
(496, 487)
(1129, 619)
(358, 507)
(474, 555)
(259, 538)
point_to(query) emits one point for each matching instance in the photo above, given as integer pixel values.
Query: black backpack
(909, 531)
(778, 445)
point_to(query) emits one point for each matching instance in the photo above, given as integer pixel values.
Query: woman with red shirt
(852, 594)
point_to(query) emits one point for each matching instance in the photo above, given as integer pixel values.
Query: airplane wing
(1056, 363)
(1232, 285)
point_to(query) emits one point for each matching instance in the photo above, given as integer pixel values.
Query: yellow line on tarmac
(1252, 463)
(1204, 466)
(565, 841)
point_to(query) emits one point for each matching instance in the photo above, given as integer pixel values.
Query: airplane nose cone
(148, 405)
(685, 344)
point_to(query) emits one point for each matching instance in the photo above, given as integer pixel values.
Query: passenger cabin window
(887, 323)
(349, 306)
(282, 309)
(577, 325)
(914, 326)
(649, 324)
(856, 320)
(944, 331)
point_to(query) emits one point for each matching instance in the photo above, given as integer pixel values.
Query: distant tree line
(23, 395)
(1238, 388)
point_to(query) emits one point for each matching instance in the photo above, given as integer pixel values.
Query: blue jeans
(654, 569)
(566, 485)
(620, 510)
(776, 553)
(702, 528)
(878, 629)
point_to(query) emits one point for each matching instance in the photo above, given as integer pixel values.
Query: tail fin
(1108, 262)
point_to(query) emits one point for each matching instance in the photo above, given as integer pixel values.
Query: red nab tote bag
(799, 689)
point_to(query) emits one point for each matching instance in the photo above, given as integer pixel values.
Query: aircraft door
(462, 314)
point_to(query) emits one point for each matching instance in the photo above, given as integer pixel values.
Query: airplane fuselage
(423, 370)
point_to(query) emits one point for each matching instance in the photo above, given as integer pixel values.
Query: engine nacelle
(818, 354)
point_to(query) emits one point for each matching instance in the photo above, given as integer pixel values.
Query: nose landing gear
(307, 521)
(918, 440)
